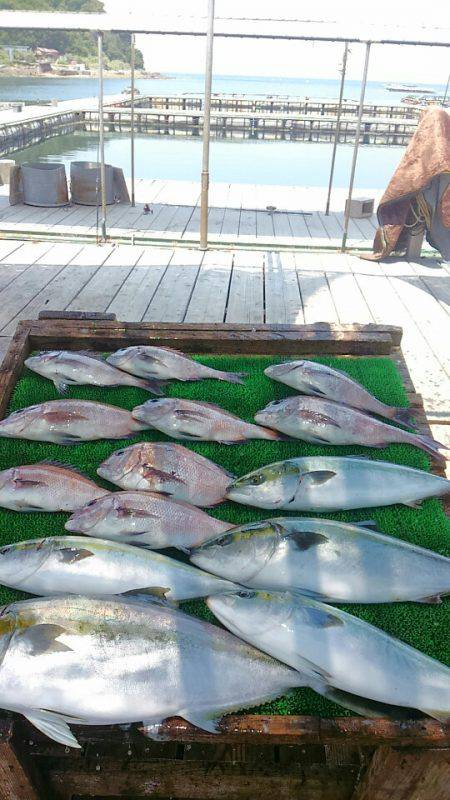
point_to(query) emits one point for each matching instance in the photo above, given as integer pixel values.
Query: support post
(446, 91)
(338, 126)
(206, 129)
(132, 64)
(356, 146)
(101, 127)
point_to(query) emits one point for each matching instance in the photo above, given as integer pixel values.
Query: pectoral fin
(319, 477)
(306, 539)
(61, 386)
(70, 555)
(53, 726)
(413, 503)
(367, 523)
(21, 483)
(43, 639)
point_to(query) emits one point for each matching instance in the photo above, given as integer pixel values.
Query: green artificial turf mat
(422, 626)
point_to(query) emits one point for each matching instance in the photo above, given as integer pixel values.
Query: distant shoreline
(30, 72)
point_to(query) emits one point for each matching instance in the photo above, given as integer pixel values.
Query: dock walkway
(163, 284)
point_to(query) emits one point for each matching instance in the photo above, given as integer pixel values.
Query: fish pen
(299, 745)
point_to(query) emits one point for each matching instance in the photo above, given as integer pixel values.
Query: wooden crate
(344, 758)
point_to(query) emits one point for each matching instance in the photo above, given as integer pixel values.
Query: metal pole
(356, 147)
(133, 62)
(446, 90)
(338, 127)
(101, 128)
(206, 129)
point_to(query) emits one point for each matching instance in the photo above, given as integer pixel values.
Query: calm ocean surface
(175, 158)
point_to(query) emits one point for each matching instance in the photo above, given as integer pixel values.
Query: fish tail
(231, 377)
(150, 385)
(430, 446)
(274, 436)
(403, 416)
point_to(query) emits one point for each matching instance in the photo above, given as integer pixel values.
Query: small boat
(128, 90)
(408, 87)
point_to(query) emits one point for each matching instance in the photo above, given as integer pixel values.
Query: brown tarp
(427, 156)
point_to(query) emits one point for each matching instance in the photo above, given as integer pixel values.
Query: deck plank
(101, 289)
(171, 299)
(137, 291)
(282, 293)
(246, 299)
(348, 299)
(209, 297)
(318, 305)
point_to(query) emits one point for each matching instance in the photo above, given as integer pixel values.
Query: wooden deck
(238, 217)
(167, 284)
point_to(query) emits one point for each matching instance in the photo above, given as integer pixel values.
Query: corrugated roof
(309, 30)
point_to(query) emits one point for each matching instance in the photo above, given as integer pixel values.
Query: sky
(297, 59)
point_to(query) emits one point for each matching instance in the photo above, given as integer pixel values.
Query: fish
(66, 368)
(145, 518)
(84, 660)
(336, 562)
(326, 422)
(196, 421)
(70, 422)
(329, 483)
(165, 363)
(73, 564)
(348, 653)
(169, 469)
(46, 486)
(310, 377)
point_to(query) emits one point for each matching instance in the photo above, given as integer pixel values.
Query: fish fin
(92, 354)
(231, 377)
(31, 509)
(306, 539)
(413, 503)
(154, 386)
(70, 555)
(21, 483)
(69, 438)
(314, 439)
(155, 595)
(152, 472)
(54, 726)
(319, 618)
(309, 388)
(404, 416)
(371, 524)
(361, 705)
(189, 415)
(317, 418)
(43, 638)
(438, 713)
(61, 386)
(430, 446)
(433, 599)
(123, 512)
(320, 476)
(203, 721)
(311, 670)
(157, 592)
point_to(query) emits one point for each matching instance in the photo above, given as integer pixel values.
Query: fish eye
(257, 480)
(91, 503)
(276, 403)
(223, 541)
(246, 595)
(119, 453)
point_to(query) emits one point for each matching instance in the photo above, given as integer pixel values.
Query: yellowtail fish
(145, 518)
(66, 368)
(164, 363)
(170, 469)
(310, 377)
(46, 486)
(70, 422)
(195, 421)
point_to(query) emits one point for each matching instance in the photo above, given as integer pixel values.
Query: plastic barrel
(44, 185)
(85, 183)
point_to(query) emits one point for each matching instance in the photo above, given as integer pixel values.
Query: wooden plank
(17, 781)
(28, 253)
(318, 305)
(246, 299)
(348, 299)
(440, 289)
(138, 289)
(209, 297)
(199, 780)
(282, 293)
(419, 775)
(100, 290)
(172, 297)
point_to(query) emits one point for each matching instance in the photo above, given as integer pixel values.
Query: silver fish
(326, 422)
(46, 486)
(186, 419)
(168, 468)
(327, 483)
(66, 368)
(97, 661)
(346, 652)
(332, 561)
(165, 363)
(146, 518)
(310, 377)
(73, 564)
(70, 422)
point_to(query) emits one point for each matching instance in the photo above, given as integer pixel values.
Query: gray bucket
(85, 183)
(44, 185)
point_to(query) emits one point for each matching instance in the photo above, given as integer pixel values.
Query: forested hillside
(81, 45)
